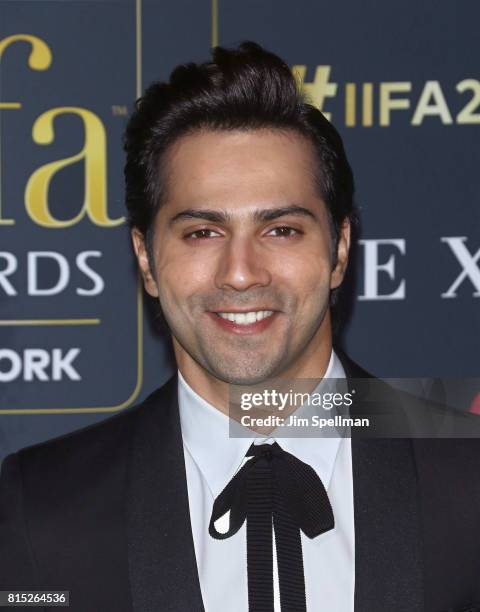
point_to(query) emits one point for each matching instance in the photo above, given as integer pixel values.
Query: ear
(140, 249)
(342, 255)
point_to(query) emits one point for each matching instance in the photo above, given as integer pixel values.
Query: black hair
(245, 88)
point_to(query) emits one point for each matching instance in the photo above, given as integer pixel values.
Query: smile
(246, 323)
(245, 318)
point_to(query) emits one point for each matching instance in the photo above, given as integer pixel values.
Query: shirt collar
(205, 432)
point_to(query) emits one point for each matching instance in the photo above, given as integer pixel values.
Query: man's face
(242, 250)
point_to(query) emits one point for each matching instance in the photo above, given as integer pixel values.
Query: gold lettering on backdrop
(432, 103)
(350, 104)
(367, 108)
(93, 155)
(387, 103)
(40, 58)
(321, 87)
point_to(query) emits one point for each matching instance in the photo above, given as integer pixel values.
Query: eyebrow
(223, 216)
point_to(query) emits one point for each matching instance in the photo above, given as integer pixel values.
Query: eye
(201, 234)
(284, 231)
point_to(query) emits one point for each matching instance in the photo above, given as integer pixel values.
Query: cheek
(306, 271)
(181, 275)
(309, 286)
(314, 290)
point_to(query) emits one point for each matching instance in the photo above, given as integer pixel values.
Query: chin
(242, 375)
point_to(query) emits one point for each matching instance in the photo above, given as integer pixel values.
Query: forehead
(230, 168)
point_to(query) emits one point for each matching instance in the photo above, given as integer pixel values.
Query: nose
(241, 266)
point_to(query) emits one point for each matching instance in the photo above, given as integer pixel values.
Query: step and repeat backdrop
(400, 80)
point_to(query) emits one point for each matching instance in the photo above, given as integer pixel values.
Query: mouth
(244, 322)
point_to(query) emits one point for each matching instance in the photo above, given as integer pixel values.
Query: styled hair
(245, 88)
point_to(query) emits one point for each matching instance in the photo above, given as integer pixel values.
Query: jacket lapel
(388, 550)
(163, 569)
(388, 555)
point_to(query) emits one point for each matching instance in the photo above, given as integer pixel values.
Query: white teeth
(245, 318)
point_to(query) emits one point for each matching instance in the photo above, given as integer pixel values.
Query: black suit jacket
(103, 512)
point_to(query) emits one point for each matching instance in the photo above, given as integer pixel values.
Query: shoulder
(454, 460)
(351, 368)
(398, 413)
(92, 449)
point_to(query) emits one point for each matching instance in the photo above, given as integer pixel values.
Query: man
(240, 202)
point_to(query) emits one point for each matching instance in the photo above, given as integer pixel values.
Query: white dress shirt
(211, 460)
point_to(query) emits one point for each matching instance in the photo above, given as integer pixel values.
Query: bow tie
(274, 483)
